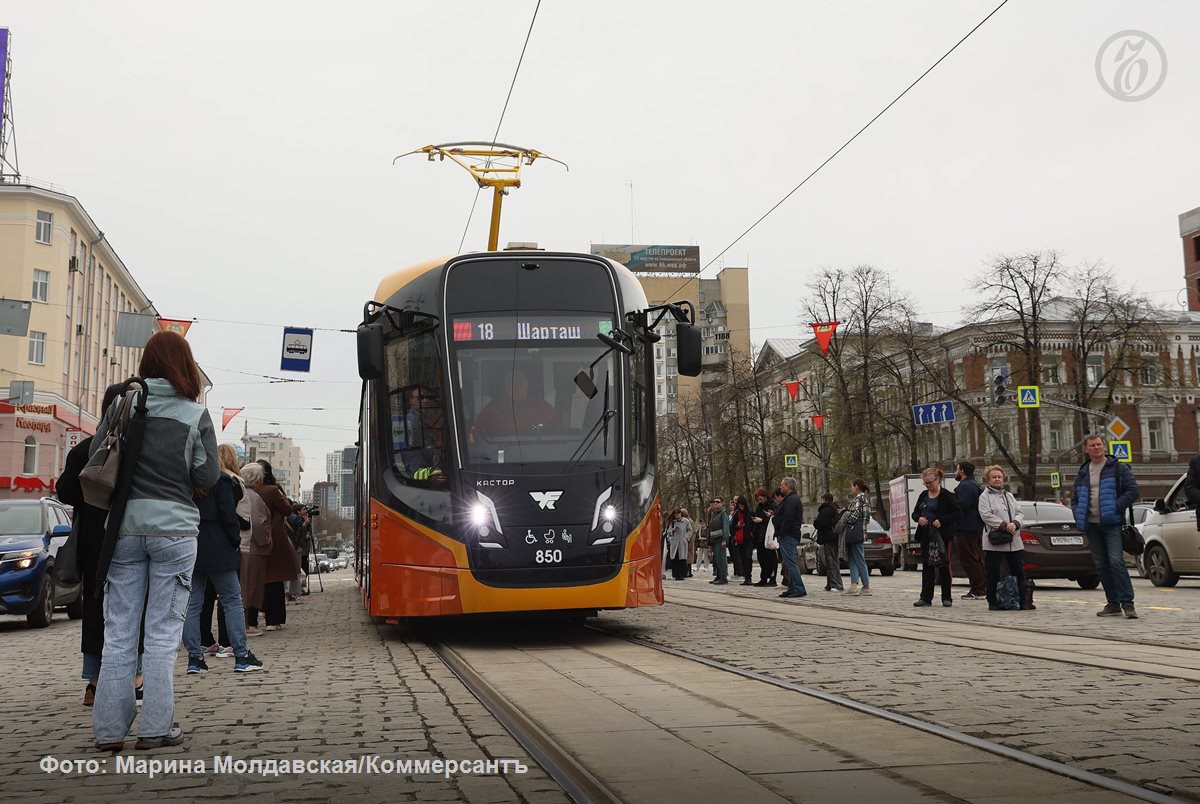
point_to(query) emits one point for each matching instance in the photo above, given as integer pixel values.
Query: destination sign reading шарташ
(530, 328)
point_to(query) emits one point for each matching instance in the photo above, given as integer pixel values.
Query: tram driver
(514, 412)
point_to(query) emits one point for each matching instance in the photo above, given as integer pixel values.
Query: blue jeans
(1105, 544)
(91, 665)
(229, 592)
(150, 574)
(856, 557)
(788, 546)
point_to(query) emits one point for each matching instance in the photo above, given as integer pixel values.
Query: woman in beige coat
(1002, 520)
(254, 556)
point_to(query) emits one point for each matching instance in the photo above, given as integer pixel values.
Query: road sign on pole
(933, 413)
(20, 392)
(1029, 396)
(1055, 480)
(297, 349)
(1117, 428)
(791, 461)
(1121, 450)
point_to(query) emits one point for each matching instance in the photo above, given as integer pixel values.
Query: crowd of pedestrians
(981, 524)
(197, 528)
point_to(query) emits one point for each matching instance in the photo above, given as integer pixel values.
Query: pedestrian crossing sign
(1121, 450)
(1055, 480)
(1029, 396)
(791, 461)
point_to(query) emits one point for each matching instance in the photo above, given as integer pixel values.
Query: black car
(31, 531)
(877, 550)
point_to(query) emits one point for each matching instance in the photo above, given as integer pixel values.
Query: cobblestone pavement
(1167, 615)
(335, 686)
(1140, 728)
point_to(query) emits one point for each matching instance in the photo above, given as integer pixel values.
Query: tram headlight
(485, 521)
(604, 519)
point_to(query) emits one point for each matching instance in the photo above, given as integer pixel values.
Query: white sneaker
(853, 589)
(226, 652)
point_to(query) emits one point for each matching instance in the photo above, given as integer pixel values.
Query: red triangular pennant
(793, 387)
(824, 334)
(819, 421)
(227, 415)
(176, 325)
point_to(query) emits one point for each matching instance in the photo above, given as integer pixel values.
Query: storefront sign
(40, 425)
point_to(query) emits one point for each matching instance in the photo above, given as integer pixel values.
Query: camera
(313, 510)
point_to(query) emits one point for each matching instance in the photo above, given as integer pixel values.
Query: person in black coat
(218, 558)
(768, 560)
(937, 509)
(827, 515)
(89, 521)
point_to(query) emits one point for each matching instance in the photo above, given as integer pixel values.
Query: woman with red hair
(151, 570)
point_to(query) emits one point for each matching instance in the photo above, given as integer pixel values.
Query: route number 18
(548, 556)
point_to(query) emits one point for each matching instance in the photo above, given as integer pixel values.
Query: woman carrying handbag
(1002, 543)
(936, 513)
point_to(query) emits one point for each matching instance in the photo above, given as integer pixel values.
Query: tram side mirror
(619, 345)
(687, 337)
(370, 351)
(584, 380)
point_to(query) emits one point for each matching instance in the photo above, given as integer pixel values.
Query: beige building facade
(53, 255)
(286, 459)
(723, 315)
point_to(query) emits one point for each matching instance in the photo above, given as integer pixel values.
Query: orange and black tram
(506, 433)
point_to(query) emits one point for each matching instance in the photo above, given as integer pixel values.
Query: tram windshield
(518, 403)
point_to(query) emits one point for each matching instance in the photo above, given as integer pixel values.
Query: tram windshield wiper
(600, 428)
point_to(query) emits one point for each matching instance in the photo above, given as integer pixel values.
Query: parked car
(878, 551)
(31, 531)
(1172, 541)
(1054, 547)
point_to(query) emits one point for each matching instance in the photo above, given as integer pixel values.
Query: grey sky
(238, 155)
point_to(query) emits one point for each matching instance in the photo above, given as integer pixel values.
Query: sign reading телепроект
(652, 259)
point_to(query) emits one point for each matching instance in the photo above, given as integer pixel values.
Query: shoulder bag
(1000, 536)
(1131, 540)
(98, 479)
(66, 560)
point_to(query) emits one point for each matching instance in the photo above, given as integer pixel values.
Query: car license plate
(1065, 540)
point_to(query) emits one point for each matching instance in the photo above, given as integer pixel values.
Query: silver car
(1172, 541)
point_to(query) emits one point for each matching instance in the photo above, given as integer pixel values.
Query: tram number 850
(548, 556)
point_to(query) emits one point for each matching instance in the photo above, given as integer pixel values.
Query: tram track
(1024, 757)
(1159, 661)
(614, 679)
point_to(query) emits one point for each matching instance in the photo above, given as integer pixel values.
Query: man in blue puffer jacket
(1104, 490)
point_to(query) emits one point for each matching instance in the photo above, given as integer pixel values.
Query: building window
(1149, 373)
(1196, 248)
(41, 285)
(31, 449)
(1155, 435)
(37, 348)
(44, 232)
(1050, 371)
(1055, 432)
(1095, 369)
(998, 368)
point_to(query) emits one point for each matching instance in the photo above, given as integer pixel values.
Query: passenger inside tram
(514, 411)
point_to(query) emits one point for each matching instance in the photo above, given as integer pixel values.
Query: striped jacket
(179, 455)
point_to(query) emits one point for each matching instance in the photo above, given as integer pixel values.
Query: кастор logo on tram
(507, 435)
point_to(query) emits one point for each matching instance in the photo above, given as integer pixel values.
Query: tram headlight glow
(480, 515)
(608, 513)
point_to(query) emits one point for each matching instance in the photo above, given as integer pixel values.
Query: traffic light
(999, 389)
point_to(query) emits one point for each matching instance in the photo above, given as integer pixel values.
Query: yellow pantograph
(491, 164)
